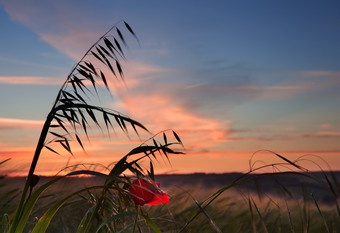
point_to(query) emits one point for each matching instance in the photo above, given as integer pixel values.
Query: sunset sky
(230, 77)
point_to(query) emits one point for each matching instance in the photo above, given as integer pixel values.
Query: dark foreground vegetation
(282, 203)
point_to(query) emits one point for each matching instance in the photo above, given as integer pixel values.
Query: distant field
(286, 203)
(269, 185)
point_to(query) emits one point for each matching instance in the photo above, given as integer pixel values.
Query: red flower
(144, 193)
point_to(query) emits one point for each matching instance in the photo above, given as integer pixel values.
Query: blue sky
(232, 77)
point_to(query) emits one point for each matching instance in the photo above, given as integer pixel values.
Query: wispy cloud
(15, 80)
(262, 88)
(161, 112)
(320, 73)
(20, 123)
(58, 28)
(25, 62)
(325, 126)
(322, 134)
(74, 43)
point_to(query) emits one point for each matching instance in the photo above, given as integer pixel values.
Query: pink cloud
(159, 112)
(328, 134)
(73, 43)
(138, 74)
(325, 126)
(21, 123)
(60, 26)
(321, 134)
(15, 80)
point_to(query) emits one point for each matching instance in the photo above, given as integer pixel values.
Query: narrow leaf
(168, 150)
(80, 143)
(85, 68)
(111, 68)
(83, 123)
(119, 68)
(165, 139)
(118, 121)
(110, 46)
(151, 173)
(104, 79)
(49, 148)
(177, 138)
(89, 64)
(57, 135)
(83, 73)
(96, 55)
(141, 149)
(105, 51)
(118, 46)
(123, 124)
(101, 53)
(60, 122)
(129, 28)
(80, 98)
(91, 114)
(121, 36)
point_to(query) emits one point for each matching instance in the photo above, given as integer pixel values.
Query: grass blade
(151, 224)
(260, 215)
(322, 216)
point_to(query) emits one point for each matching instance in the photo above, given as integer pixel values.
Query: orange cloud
(159, 112)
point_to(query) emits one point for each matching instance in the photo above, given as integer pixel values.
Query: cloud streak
(160, 112)
(20, 123)
(17, 80)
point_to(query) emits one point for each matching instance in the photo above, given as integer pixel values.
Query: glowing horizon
(228, 84)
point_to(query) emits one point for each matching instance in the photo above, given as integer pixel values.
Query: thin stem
(39, 147)
(75, 67)
(44, 133)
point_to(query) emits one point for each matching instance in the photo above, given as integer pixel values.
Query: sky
(232, 78)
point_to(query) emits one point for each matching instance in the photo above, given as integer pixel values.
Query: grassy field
(286, 203)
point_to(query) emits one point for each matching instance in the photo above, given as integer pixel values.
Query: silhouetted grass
(239, 209)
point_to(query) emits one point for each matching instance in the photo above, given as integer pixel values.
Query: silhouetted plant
(71, 116)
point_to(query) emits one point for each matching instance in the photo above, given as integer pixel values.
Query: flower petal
(159, 198)
(145, 193)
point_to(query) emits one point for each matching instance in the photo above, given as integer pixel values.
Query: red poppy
(144, 193)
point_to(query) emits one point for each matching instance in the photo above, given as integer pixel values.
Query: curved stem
(75, 67)
(43, 136)
(39, 147)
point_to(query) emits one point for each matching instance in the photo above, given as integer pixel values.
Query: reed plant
(72, 115)
(111, 205)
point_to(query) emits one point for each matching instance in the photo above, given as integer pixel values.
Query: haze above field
(230, 77)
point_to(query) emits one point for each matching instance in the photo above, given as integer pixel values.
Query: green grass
(243, 212)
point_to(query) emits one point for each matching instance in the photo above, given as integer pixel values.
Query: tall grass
(71, 115)
(239, 209)
(107, 205)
